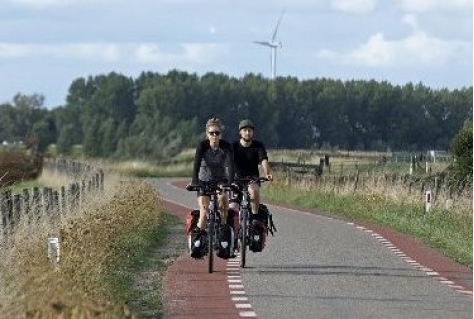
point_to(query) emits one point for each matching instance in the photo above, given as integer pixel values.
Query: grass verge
(101, 248)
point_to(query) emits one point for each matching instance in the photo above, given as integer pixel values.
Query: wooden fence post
(25, 207)
(4, 215)
(101, 179)
(78, 194)
(63, 201)
(356, 182)
(56, 209)
(36, 204)
(9, 212)
(83, 192)
(16, 210)
(71, 198)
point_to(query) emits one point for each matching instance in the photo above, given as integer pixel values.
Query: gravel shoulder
(148, 282)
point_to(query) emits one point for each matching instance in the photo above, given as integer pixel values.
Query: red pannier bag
(192, 218)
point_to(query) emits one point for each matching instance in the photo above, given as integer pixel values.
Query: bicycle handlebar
(247, 180)
(243, 182)
(209, 188)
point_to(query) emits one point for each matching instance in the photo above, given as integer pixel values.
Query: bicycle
(211, 189)
(244, 212)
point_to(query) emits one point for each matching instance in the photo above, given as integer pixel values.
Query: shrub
(461, 148)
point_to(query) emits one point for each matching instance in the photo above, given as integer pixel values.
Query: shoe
(236, 244)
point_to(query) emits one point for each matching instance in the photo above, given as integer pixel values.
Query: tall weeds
(95, 242)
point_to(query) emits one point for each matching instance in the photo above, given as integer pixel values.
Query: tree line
(155, 116)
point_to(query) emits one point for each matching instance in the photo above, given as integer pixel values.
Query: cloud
(189, 53)
(411, 20)
(414, 50)
(212, 29)
(84, 51)
(45, 3)
(434, 5)
(355, 6)
(63, 3)
(192, 53)
(8, 50)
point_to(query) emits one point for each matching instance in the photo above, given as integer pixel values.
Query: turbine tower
(274, 45)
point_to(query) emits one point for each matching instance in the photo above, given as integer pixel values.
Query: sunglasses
(215, 133)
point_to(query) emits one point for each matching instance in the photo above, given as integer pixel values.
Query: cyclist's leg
(203, 202)
(234, 204)
(223, 202)
(234, 201)
(254, 193)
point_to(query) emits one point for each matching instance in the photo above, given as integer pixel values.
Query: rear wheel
(243, 238)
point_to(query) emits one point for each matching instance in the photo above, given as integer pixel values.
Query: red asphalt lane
(191, 292)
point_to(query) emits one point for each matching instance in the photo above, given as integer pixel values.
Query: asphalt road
(321, 267)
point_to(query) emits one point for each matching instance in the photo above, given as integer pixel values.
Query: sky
(46, 44)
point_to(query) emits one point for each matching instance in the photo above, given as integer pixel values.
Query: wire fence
(45, 205)
(405, 182)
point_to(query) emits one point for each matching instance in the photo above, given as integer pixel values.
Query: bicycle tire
(210, 248)
(243, 238)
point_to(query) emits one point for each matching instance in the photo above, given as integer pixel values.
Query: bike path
(320, 267)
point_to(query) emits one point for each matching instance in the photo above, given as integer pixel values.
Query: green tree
(461, 148)
(65, 140)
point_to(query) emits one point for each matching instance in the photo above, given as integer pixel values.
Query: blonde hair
(213, 121)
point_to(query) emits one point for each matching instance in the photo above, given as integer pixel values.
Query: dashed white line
(236, 286)
(412, 262)
(237, 291)
(243, 305)
(239, 298)
(234, 281)
(247, 314)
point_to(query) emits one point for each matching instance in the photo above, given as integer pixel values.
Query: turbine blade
(263, 43)
(277, 25)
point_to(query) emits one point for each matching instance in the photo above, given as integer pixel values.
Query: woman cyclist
(213, 161)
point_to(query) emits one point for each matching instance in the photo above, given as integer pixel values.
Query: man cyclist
(248, 155)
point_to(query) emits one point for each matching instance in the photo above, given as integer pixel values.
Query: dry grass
(91, 239)
(148, 169)
(54, 179)
(375, 187)
(313, 156)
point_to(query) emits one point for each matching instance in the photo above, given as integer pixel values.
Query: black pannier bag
(225, 242)
(257, 235)
(259, 226)
(198, 244)
(267, 218)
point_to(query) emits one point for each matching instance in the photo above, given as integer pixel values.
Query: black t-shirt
(213, 165)
(247, 159)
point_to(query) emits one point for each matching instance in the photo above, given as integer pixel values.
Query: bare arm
(266, 170)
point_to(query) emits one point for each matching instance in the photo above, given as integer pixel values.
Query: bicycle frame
(212, 229)
(244, 212)
(211, 189)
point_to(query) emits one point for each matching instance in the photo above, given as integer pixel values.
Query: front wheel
(210, 246)
(243, 238)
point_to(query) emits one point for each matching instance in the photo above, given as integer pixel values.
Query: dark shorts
(200, 193)
(236, 197)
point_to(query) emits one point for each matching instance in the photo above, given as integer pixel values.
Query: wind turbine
(274, 45)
